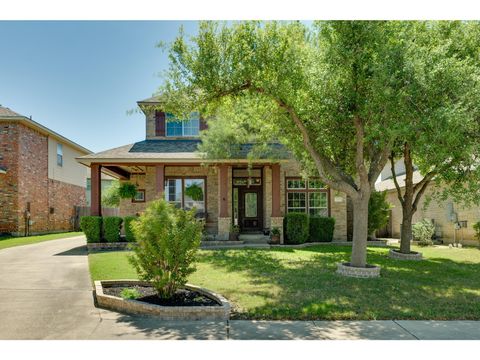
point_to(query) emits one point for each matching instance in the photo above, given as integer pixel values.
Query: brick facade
(24, 153)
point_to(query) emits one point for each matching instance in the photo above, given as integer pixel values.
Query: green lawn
(10, 241)
(285, 283)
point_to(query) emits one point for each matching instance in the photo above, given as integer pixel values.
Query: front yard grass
(285, 283)
(10, 241)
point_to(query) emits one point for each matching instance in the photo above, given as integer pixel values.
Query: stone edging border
(371, 271)
(128, 306)
(393, 254)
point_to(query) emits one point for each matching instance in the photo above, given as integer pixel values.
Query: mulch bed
(183, 297)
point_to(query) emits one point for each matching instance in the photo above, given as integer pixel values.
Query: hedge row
(106, 229)
(300, 228)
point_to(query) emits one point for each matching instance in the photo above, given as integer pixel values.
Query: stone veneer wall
(8, 182)
(437, 210)
(148, 183)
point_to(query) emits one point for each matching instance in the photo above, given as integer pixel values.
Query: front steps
(254, 238)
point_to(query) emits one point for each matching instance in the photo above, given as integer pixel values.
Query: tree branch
(394, 176)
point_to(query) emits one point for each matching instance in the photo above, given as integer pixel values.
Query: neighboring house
(168, 165)
(40, 181)
(452, 221)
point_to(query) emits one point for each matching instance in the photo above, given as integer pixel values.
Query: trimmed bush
(423, 232)
(127, 223)
(111, 228)
(168, 239)
(321, 229)
(92, 228)
(297, 228)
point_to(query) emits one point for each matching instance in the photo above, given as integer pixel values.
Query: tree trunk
(406, 235)
(360, 231)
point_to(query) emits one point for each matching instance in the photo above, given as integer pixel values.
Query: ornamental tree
(442, 139)
(331, 93)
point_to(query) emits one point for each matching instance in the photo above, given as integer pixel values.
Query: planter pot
(128, 306)
(370, 271)
(275, 239)
(397, 255)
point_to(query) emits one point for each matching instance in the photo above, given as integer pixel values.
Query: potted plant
(275, 235)
(234, 231)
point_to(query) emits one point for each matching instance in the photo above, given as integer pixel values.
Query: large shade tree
(442, 140)
(332, 93)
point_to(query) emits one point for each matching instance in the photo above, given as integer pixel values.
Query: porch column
(276, 219)
(96, 190)
(160, 180)
(224, 219)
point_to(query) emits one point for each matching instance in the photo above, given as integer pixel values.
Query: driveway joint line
(407, 331)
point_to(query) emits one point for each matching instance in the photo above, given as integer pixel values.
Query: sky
(81, 78)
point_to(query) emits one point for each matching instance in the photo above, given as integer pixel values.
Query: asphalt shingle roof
(6, 112)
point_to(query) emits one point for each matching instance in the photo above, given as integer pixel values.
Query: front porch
(226, 194)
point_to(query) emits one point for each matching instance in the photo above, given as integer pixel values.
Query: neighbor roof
(7, 114)
(165, 150)
(389, 184)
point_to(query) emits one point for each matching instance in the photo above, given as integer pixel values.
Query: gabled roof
(7, 114)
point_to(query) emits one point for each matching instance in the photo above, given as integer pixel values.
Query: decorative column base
(277, 222)
(224, 227)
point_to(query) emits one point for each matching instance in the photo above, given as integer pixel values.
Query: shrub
(168, 239)
(321, 228)
(423, 232)
(297, 228)
(92, 227)
(127, 223)
(476, 227)
(128, 293)
(127, 190)
(378, 211)
(111, 228)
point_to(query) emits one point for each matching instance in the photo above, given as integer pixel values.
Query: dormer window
(178, 128)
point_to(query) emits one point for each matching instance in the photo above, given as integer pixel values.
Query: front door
(250, 208)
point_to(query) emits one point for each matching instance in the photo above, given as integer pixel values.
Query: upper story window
(59, 155)
(180, 128)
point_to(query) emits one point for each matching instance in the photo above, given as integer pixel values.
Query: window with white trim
(180, 128)
(307, 196)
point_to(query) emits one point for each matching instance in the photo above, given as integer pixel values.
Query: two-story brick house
(167, 164)
(40, 181)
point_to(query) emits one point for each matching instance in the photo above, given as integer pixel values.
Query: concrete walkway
(46, 293)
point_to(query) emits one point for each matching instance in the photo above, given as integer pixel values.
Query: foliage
(234, 229)
(275, 231)
(378, 211)
(127, 190)
(194, 191)
(321, 228)
(168, 239)
(333, 93)
(111, 228)
(130, 293)
(476, 227)
(301, 284)
(127, 223)
(111, 197)
(423, 232)
(92, 227)
(297, 228)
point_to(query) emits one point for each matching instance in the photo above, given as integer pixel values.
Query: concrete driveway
(46, 293)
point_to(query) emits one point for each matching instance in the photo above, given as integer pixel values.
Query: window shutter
(203, 124)
(159, 123)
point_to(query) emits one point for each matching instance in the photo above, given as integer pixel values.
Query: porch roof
(165, 150)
